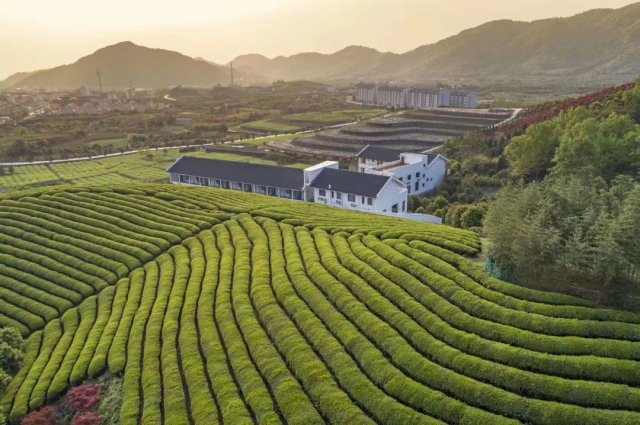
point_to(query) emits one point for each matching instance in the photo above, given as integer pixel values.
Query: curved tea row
(290, 313)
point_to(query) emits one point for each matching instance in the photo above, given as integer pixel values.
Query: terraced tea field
(225, 307)
(411, 131)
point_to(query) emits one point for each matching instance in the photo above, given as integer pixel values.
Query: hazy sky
(37, 34)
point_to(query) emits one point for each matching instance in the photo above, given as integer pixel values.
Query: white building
(366, 93)
(415, 98)
(323, 183)
(419, 173)
(463, 99)
(391, 96)
(355, 191)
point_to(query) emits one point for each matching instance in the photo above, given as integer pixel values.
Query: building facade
(415, 98)
(323, 183)
(419, 173)
(281, 182)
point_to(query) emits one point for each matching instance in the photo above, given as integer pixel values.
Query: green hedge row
(465, 388)
(331, 336)
(447, 323)
(98, 362)
(541, 302)
(332, 302)
(82, 227)
(81, 366)
(68, 324)
(491, 328)
(152, 366)
(257, 394)
(130, 410)
(252, 277)
(233, 406)
(110, 265)
(20, 271)
(204, 406)
(417, 331)
(490, 304)
(273, 302)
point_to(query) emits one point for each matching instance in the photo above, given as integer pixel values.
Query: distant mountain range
(126, 64)
(598, 46)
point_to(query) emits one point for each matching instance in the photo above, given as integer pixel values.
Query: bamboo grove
(225, 307)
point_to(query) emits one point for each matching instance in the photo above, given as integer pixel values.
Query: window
(404, 206)
(351, 198)
(322, 192)
(363, 199)
(369, 201)
(400, 178)
(417, 187)
(409, 177)
(418, 175)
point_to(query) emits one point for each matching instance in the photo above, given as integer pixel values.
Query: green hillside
(221, 306)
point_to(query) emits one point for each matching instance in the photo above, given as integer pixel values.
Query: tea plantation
(224, 307)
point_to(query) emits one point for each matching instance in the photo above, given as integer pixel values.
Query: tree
(11, 355)
(473, 217)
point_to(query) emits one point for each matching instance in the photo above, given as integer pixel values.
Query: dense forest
(560, 201)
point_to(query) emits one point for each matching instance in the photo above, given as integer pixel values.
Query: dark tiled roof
(344, 181)
(285, 177)
(379, 154)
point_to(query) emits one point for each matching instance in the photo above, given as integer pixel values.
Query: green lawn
(143, 167)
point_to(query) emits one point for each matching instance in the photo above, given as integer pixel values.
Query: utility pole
(231, 70)
(99, 80)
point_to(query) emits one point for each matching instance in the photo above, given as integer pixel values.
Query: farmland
(220, 306)
(144, 167)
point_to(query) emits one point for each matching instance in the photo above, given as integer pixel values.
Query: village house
(382, 184)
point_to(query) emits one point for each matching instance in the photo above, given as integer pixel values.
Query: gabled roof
(344, 181)
(379, 154)
(268, 175)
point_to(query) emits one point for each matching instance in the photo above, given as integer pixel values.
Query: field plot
(225, 307)
(136, 168)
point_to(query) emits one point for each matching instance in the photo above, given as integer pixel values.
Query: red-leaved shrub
(84, 397)
(90, 418)
(45, 416)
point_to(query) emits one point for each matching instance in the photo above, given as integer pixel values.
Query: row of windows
(350, 197)
(244, 187)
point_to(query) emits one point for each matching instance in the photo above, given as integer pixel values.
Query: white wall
(416, 169)
(393, 193)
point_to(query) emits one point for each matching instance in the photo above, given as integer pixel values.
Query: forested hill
(127, 65)
(598, 45)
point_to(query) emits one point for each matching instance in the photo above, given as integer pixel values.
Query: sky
(37, 34)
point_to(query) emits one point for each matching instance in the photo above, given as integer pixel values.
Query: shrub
(45, 416)
(84, 397)
(90, 418)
